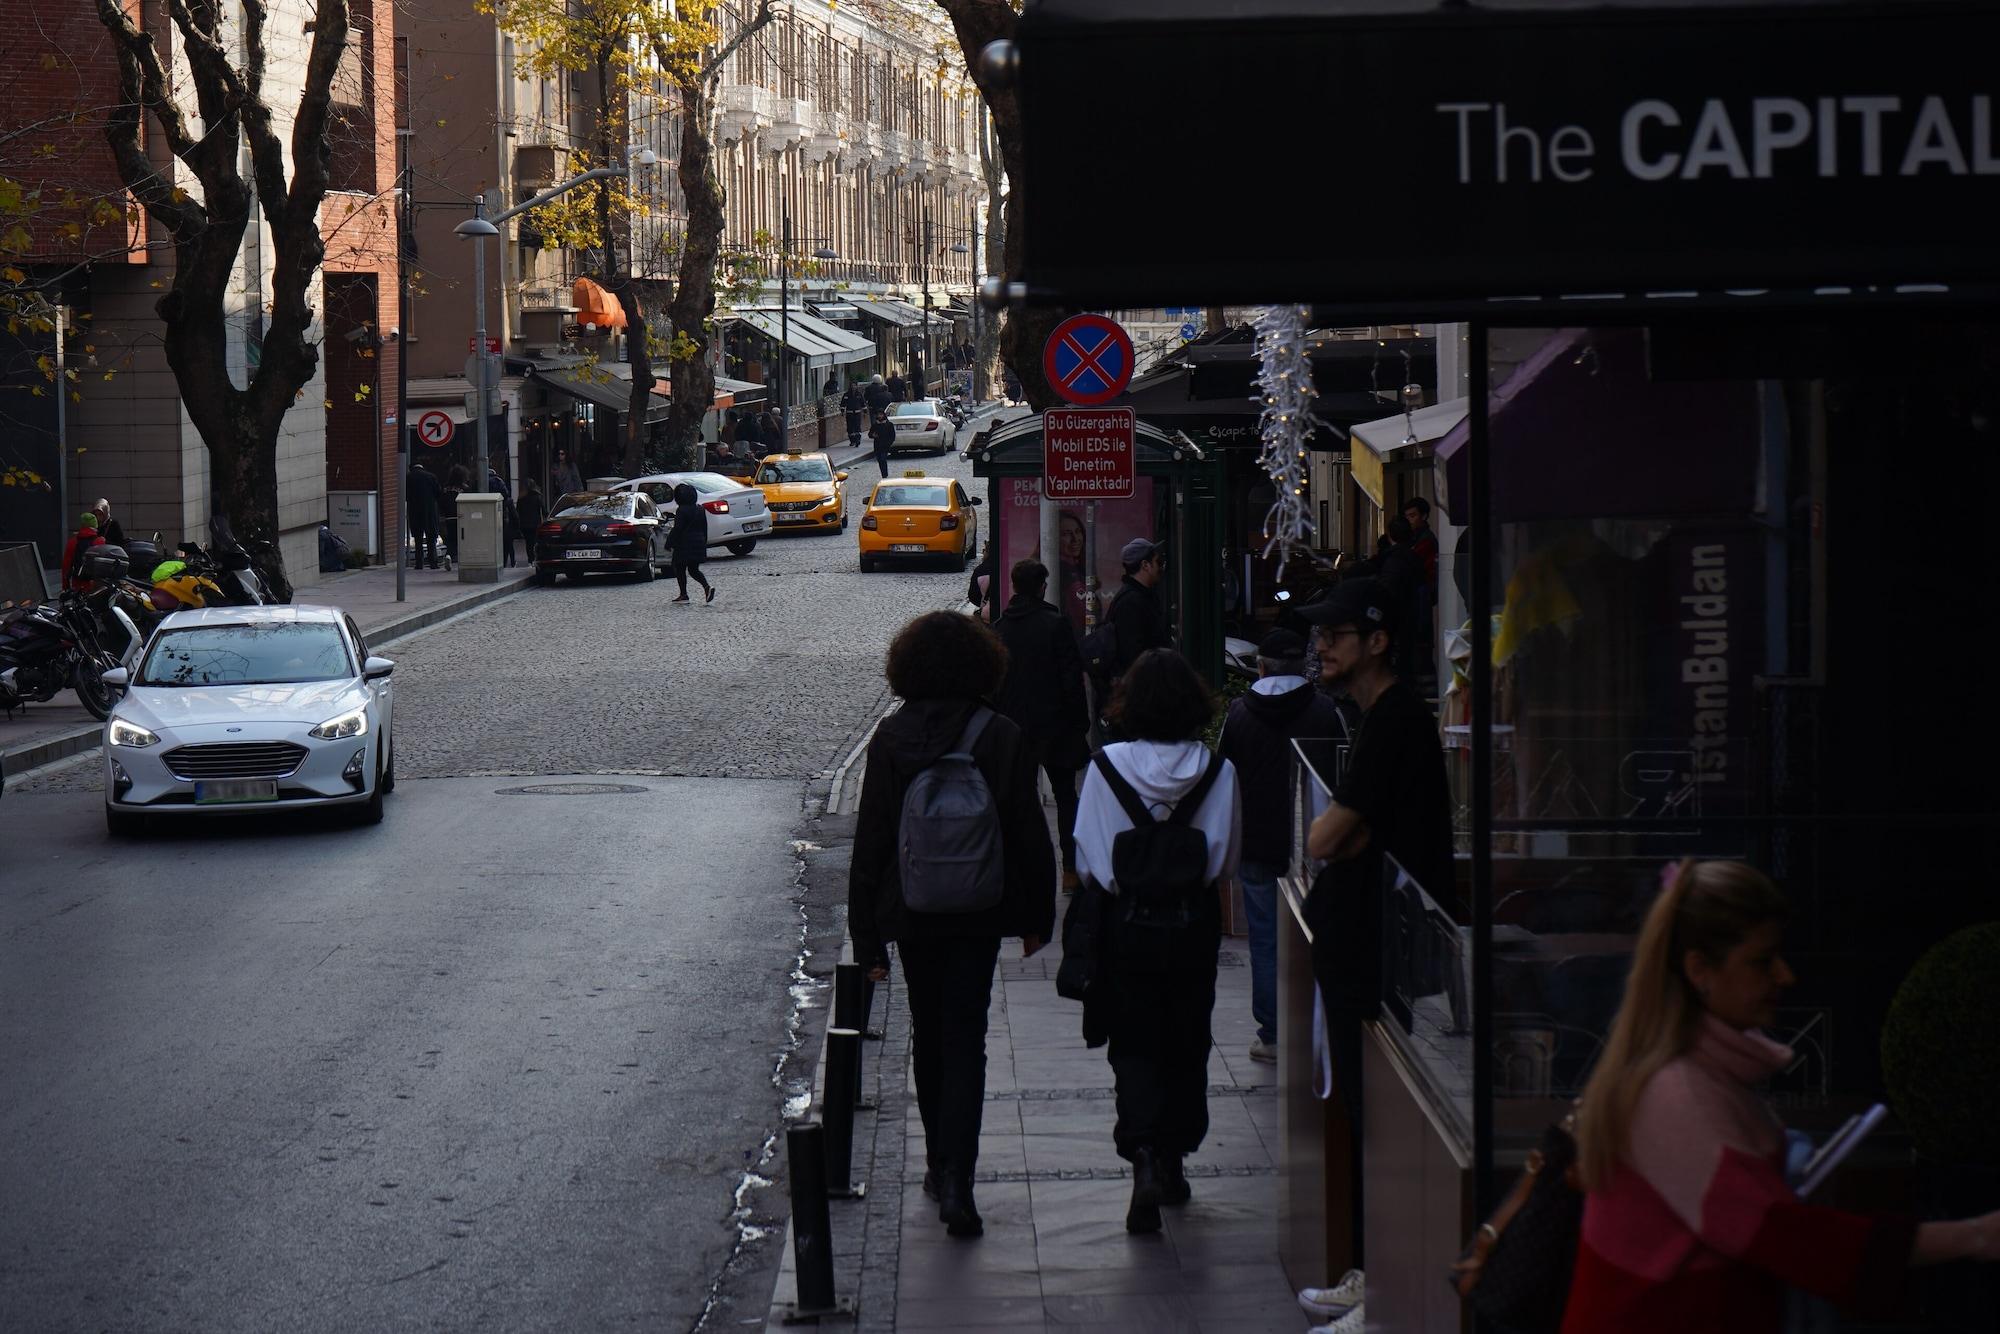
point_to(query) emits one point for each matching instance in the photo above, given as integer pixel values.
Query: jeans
(1260, 907)
(950, 981)
(682, 569)
(1163, 995)
(882, 460)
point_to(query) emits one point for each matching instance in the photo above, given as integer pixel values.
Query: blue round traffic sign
(1088, 359)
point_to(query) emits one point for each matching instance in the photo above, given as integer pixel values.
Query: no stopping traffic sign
(1088, 359)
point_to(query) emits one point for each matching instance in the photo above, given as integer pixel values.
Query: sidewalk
(43, 733)
(1053, 1192)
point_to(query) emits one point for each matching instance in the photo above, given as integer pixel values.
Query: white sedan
(737, 514)
(922, 425)
(250, 708)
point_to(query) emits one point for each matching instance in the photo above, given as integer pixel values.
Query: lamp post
(785, 321)
(478, 229)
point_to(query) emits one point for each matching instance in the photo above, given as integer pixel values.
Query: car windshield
(273, 653)
(619, 506)
(900, 493)
(795, 470)
(923, 407)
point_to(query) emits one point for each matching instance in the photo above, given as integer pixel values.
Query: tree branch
(143, 87)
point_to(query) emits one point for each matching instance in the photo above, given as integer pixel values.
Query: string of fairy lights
(1284, 379)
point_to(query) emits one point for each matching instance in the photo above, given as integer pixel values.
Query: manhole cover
(570, 790)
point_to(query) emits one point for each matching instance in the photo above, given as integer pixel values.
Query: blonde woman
(1688, 1223)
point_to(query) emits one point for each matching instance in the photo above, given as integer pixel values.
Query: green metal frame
(1188, 512)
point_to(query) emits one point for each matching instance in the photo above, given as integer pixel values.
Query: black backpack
(1161, 866)
(1100, 646)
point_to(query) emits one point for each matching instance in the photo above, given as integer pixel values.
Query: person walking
(854, 404)
(1158, 825)
(497, 485)
(1137, 617)
(1043, 694)
(1688, 1220)
(898, 391)
(943, 666)
(883, 435)
(689, 541)
(420, 502)
(564, 478)
(1257, 734)
(529, 511)
(1393, 801)
(877, 395)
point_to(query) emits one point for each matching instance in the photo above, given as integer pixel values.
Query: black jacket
(529, 511)
(421, 493)
(1043, 692)
(1139, 619)
(896, 389)
(877, 397)
(854, 403)
(1257, 736)
(690, 537)
(907, 742)
(883, 433)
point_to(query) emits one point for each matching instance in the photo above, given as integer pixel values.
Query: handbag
(1516, 1270)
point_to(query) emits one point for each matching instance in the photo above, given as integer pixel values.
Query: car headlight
(828, 500)
(130, 734)
(346, 725)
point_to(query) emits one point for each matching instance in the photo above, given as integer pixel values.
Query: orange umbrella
(595, 306)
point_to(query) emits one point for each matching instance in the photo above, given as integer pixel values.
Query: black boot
(1144, 1215)
(955, 1208)
(931, 1177)
(1174, 1188)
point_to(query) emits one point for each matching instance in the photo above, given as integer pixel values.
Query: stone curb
(21, 759)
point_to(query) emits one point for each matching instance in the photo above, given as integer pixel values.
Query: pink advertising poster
(1118, 522)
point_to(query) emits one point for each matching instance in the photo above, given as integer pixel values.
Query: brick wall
(61, 79)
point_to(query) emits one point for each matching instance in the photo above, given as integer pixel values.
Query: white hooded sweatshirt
(1160, 771)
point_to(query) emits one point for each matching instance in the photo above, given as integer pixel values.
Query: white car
(737, 514)
(234, 709)
(922, 425)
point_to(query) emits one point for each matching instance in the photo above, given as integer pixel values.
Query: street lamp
(825, 251)
(478, 229)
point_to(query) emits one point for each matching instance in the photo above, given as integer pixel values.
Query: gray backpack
(950, 855)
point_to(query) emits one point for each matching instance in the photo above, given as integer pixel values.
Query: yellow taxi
(803, 492)
(914, 517)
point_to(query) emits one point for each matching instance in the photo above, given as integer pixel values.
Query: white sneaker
(1335, 1302)
(1261, 1050)
(1354, 1322)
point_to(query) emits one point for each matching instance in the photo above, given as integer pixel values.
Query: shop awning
(600, 386)
(893, 313)
(595, 306)
(820, 346)
(834, 310)
(728, 393)
(1380, 440)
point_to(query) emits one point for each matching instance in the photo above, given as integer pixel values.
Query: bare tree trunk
(693, 303)
(978, 24)
(995, 258)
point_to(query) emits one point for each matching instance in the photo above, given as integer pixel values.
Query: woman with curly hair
(945, 666)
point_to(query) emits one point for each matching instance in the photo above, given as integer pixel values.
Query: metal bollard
(812, 1226)
(853, 997)
(843, 1065)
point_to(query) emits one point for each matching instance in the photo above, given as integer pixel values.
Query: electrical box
(351, 515)
(479, 531)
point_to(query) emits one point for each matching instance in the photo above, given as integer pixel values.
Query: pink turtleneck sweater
(1697, 1230)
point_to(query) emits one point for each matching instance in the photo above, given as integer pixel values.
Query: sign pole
(402, 367)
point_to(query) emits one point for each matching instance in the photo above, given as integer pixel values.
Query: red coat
(1697, 1229)
(81, 538)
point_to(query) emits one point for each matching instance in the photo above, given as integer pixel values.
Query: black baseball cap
(1362, 603)
(1282, 646)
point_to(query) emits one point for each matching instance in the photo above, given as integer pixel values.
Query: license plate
(589, 554)
(224, 793)
(754, 526)
(908, 546)
(794, 518)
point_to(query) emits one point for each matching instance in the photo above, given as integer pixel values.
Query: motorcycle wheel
(96, 696)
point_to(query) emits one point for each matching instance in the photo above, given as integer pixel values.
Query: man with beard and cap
(1257, 735)
(1392, 801)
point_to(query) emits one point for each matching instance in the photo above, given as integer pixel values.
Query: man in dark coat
(1257, 736)
(529, 511)
(420, 499)
(942, 665)
(854, 403)
(689, 541)
(882, 432)
(897, 390)
(878, 395)
(1043, 694)
(916, 379)
(1137, 616)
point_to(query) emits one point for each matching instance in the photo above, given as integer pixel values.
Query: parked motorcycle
(226, 562)
(54, 646)
(954, 408)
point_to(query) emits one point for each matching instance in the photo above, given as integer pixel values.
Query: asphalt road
(500, 1062)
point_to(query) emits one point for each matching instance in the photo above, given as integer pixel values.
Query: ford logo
(232, 729)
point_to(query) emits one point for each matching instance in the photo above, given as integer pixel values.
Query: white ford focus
(242, 708)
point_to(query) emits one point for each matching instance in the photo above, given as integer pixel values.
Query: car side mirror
(117, 678)
(977, 500)
(840, 477)
(377, 669)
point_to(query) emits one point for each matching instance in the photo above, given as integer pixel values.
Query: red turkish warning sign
(1088, 453)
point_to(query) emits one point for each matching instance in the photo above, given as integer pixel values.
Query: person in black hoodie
(1043, 694)
(1257, 736)
(943, 665)
(689, 541)
(854, 405)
